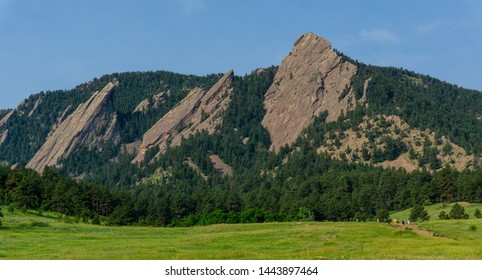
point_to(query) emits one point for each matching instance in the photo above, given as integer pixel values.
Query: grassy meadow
(29, 236)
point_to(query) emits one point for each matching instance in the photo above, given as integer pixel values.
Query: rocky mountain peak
(199, 110)
(91, 123)
(311, 79)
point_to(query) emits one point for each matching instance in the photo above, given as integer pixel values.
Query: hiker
(408, 222)
(403, 222)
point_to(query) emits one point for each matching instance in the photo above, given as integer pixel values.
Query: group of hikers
(403, 221)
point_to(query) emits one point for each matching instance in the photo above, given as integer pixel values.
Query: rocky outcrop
(157, 100)
(200, 110)
(143, 106)
(3, 136)
(60, 119)
(92, 123)
(35, 106)
(221, 167)
(7, 117)
(311, 79)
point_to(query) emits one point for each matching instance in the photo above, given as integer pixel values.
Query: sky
(58, 44)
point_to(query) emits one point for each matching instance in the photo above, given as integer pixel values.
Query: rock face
(3, 136)
(199, 110)
(143, 106)
(7, 117)
(35, 107)
(93, 122)
(157, 100)
(311, 79)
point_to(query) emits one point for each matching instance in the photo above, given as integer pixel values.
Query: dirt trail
(416, 229)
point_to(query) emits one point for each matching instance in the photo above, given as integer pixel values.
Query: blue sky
(58, 44)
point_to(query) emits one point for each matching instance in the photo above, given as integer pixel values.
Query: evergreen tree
(418, 212)
(382, 215)
(458, 212)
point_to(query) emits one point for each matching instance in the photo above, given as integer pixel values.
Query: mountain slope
(94, 122)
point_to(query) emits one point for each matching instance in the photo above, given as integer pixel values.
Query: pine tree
(418, 213)
(458, 212)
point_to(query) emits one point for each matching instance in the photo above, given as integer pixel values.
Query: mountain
(199, 110)
(310, 80)
(94, 122)
(321, 133)
(313, 80)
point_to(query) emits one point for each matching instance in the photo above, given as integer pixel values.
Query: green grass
(435, 209)
(28, 236)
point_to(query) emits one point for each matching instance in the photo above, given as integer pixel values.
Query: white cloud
(378, 36)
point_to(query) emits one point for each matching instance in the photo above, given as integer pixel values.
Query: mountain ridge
(313, 80)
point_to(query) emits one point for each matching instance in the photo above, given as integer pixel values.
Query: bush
(477, 213)
(39, 224)
(458, 212)
(305, 215)
(96, 220)
(473, 228)
(443, 215)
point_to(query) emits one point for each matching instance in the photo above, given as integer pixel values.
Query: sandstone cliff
(6, 117)
(200, 110)
(92, 123)
(311, 79)
(35, 106)
(3, 136)
(155, 102)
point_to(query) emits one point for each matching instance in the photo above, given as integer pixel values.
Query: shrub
(39, 224)
(96, 220)
(473, 228)
(443, 215)
(458, 212)
(305, 215)
(477, 213)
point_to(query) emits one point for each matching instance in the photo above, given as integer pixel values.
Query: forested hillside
(30, 124)
(388, 140)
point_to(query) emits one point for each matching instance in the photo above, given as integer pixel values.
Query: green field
(29, 236)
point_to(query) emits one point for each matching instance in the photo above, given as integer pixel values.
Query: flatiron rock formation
(311, 79)
(199, 110)
(93, 122)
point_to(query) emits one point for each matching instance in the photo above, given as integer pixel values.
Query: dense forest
(326, 190)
